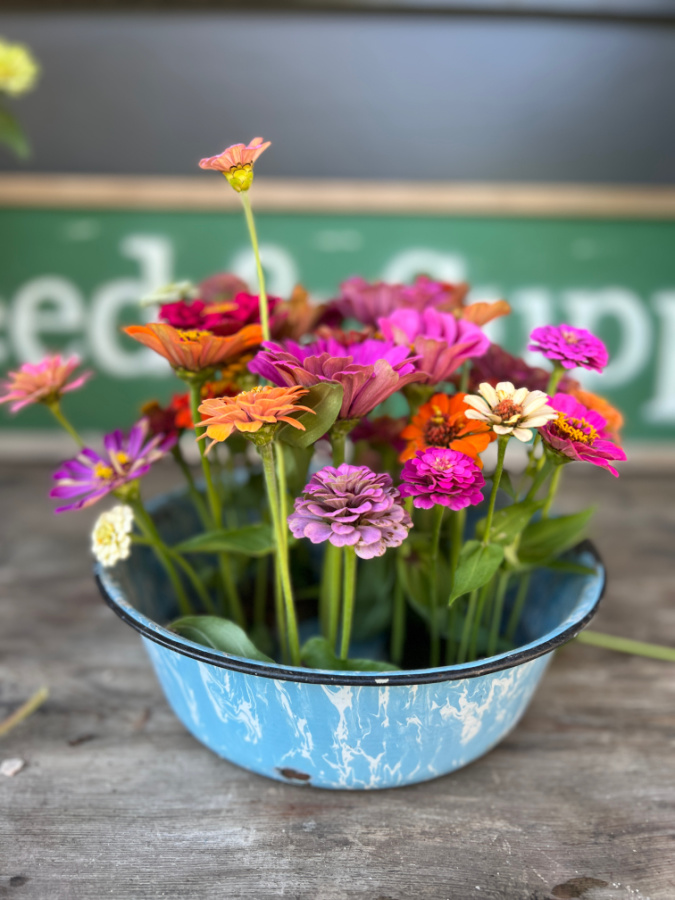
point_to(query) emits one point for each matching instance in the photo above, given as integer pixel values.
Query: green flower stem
(332, 562)
(149, 530)
(451, 643)
(626, 645)
(435, 653)
(260, 591)
(398, 617)
(478, 619)
(195, 581)
(540, 477)
(338, 440)
(224, 563)
(349, 592)
(457, 523)
(466, 630)
(502, 441)
(280, 614)
(196, 497)
(55, 409)
(464, 378)
(267, 454)
(497, 612)
(554, 380)
(518, 606)
(283, 491)
(250, 222)
(552, 491)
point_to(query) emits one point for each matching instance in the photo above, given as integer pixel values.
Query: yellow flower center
(575, 429)
(570, 337)
(122, 458)
(193, 335)
(103, 472)
(240, 177)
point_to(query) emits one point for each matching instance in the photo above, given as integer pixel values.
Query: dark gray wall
(353, 95)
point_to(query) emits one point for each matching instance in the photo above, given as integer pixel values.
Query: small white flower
(170, 293)
(111, 537)
(510, 411)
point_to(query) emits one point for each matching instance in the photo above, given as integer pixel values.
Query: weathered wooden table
(117, 800)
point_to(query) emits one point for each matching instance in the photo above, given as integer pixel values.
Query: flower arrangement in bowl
(347, 598)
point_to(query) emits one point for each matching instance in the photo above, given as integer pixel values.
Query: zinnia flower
(570, 347)
(609, 413)
(221, 287)
(251, 411)
(439, 476)
(510, 411)
(439, 340)
(577, 433)
(195, 351)
(90, 476)
(18, 69)
(369, 302)
(42, 382)
(236, 162)
(111, 537)
(443, 422)
(369, 371)
(351, 506)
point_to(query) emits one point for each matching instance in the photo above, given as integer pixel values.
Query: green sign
(69, 279)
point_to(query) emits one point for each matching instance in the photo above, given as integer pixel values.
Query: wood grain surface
(117, 800)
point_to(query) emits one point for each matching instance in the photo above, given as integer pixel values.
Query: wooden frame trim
(204, 193)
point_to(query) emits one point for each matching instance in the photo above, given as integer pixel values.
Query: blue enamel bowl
(347, 730)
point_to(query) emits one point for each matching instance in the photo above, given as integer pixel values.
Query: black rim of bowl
(165, 638)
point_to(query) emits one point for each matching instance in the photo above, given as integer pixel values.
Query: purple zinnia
(441, 341)
(90, 476)
(570, 347)
(439, 476)
(578, 433)
(351, 506)
(369, 371)
(369, 302)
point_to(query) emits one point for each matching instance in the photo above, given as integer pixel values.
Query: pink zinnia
(439, 476)
(577, 433)
(42, 382)
(369, 302)
(351, 506)
(441, 341)
(236, 155)
(570, 347)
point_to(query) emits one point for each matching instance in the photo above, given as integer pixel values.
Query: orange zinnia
(599, 405)
(442, 422)
(250, 411)
(195, 351)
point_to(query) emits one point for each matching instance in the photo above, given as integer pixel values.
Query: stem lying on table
(26, 709)
(626, 645)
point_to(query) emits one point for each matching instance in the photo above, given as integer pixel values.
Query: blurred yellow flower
(18, 69)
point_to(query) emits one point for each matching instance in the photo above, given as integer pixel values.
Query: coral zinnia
(570, 347)
(236, 162)
(441, 341)
(351, 506)
(443, 422)
(369, 371)
(251, 411)
(439, 476)
(91, 476)
(42, 382)
(510, 411)
(194, 351)
(577, 433)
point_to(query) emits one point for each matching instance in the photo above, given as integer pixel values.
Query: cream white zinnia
(111, 537)
(510, 411)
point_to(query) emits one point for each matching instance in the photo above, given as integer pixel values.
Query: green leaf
(219, 634)
(251, 540)
(317, 653)
(325, 399)
(477, 564)
(544, 540)
(12, 134)
(508, 523)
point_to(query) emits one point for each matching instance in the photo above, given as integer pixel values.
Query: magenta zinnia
(42, 382)
(439, 476)
(577, 433)
(369, 371)
(439, 340)
(90, 476)
(570, 347)
(351, 506)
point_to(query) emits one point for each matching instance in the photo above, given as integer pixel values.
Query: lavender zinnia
(439, 476)
(570, 347)
(91, 476)
(351, 506)
(369, 371)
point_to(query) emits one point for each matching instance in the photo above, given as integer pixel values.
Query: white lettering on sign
(661, 408)
(45, 305)
(421, 260)
(155, 259)
(587, 308)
